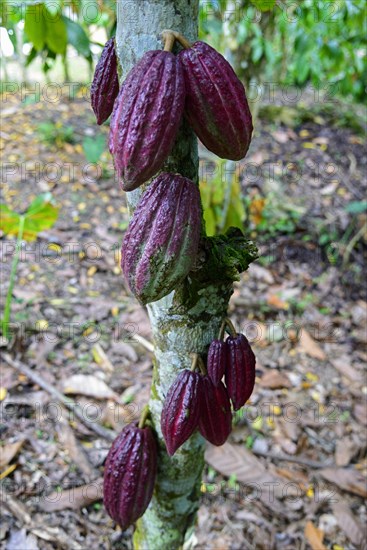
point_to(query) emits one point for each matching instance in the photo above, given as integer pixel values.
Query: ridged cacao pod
(162, 239)
(105, 85)
(215, 422)
(240, 370)
(181, 409)
(146, 117)
(216, 103)
(129, 475)
(217, 360)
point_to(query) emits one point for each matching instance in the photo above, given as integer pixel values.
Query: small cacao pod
(216, 103)
(129, 475)
(162, 239)
(240, 370)
(181, 409)
(146, 117)
(215, 422)
(105, 85)
(216, 362)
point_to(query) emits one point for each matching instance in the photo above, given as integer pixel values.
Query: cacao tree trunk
(180, 328)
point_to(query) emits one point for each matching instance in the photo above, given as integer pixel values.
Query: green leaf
(35, 26)
(263, 5)
(9, 220)
(40, 215)
(77, 37)
(210, 224)
(94, 147)
(356, 207)
(56, 35)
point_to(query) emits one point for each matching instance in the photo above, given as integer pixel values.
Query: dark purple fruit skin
(105, 85)
(146, 117)
(129, 475)
(240, 371)
(215, 422)
(216, 103)
(162, 239)
(181, 409)
(217, 360)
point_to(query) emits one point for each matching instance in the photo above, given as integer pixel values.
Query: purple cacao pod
(216, 103)
(105, 85)
(162, 239)
(215, 422)
(240, 370)
(181, 409)
(146, 117)
(129, 475)
(217, 360)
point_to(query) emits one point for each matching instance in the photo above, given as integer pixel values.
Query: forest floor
(293, 473)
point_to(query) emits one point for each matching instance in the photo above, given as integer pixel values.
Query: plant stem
(168, 39)
(231, 327)
(144, 416)
(13, 272)
(182, 40)
(222, 330)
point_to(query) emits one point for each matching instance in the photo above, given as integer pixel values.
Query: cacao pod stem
(169, 38)
(182, 40)
(144, 415)
(227, 322)
(198, 362)
(222, 329)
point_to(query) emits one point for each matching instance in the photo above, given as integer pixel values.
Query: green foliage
(318, 43)
(263, 5)
(93, 147)
(274, 214)
(44, 29)
(356, 207)
(222, 201)
(55, 133)
(47, 28)
(40, 215)
(78, 38)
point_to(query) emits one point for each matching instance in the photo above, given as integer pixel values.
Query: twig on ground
(296, 459)
(67, 402)
(21, 513)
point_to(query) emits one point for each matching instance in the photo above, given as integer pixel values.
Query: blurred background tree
(309, 42)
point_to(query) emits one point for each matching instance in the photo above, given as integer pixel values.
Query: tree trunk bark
(179, 328)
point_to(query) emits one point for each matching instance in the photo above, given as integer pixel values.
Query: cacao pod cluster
(160, 89)
(201, 400)
(129, 474)
(162, 241)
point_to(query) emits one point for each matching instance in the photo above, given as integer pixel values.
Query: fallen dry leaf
(309, 346)
(101, 358)
(360, 412)
(75, 498)
(345, 449)
(235, 460)
(346, 479)
(8, 452)
(349, 523)
(275, 301)
(343, 366)
(72, 446)
(88, 385)
(314, 536)
(274, 379)
(20, 540)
